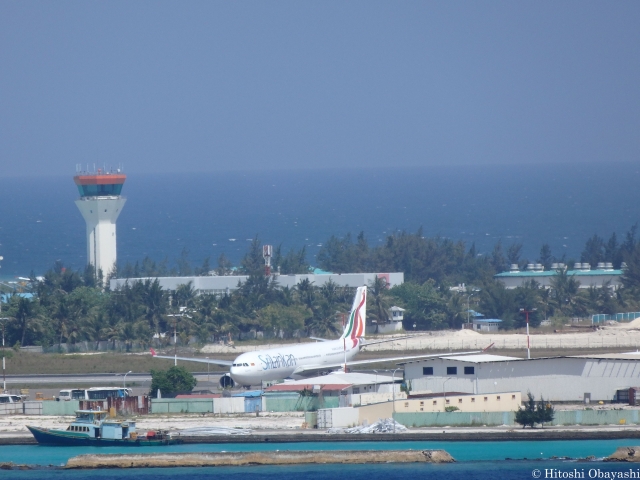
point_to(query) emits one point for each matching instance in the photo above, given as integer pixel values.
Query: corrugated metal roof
(200, 395)
(612, 356)
(475, 358)
(298, 387)
(485, 320)
(484, 358)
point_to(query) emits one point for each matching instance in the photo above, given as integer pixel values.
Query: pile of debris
(386, 425)
(211, 431)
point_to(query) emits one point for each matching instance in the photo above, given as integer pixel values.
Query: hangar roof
(477, 358)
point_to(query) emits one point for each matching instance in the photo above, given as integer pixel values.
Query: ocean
(475, 460)
(213, 213)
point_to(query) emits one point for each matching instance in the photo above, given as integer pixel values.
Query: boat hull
(45, 436)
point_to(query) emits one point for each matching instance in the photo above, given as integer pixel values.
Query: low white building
(486, 324)
(585, 378)
(396, 316)
(219, 285)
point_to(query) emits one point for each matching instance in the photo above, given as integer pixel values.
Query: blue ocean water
(213, 213)
(461, 451)
(519, 470)
(476, 460)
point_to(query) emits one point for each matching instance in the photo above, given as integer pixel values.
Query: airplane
(299, 361)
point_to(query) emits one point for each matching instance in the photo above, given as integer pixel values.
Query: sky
(204, 86)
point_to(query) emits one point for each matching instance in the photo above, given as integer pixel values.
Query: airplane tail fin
(358, 316)
(153, 352)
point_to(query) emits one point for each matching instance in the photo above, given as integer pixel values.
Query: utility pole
(527, 312)
(393, 390)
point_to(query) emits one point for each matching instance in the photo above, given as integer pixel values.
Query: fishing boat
(94, 427)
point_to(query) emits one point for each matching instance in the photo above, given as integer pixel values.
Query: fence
(138, 405)
(473, 419)
(198, 405)
(618, 317)
(294, 402)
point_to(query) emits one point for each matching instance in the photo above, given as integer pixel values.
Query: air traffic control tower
(100, 204)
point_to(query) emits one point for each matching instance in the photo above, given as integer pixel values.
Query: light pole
(124, 378)
(444, 394)
(393, 391)
(527, 312)
(468, 307)
(207, 368)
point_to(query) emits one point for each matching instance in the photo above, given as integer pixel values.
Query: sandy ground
(15, 425)
(616, 336)
(280, 423)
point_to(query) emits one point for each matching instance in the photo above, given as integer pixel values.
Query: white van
(8, 398)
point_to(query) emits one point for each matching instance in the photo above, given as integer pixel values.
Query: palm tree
(25, 314)
(378, 304)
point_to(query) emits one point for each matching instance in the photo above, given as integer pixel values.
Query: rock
(214, 459)
(624, 454)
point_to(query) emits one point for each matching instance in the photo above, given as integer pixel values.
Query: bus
(95, 393)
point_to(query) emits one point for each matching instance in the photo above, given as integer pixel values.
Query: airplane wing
(214, 361)
(319, 339)
(386, 340)
(310, 369)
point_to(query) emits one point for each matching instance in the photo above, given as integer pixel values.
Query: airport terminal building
(583, 378)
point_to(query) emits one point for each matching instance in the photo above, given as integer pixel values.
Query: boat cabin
(96, 424)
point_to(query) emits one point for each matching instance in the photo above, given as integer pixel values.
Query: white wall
(556, 379)
(228, 405)
(220, 284)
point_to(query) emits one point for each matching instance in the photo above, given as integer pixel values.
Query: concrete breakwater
(220, 459)
(625, 454)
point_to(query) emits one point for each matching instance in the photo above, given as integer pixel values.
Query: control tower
(100, 204)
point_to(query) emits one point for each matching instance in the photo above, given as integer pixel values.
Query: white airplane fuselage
(277, 363)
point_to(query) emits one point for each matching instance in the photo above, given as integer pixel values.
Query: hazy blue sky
(206, 85)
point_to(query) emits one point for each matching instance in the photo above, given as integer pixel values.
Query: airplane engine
(226, 381)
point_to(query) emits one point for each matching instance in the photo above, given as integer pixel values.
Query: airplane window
(245, 364)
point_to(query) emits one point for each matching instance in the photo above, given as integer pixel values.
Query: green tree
(424, 305)
(535, 412)
(545, 256)
(253, 262)
(172, 381)
(224, 265)
(378, 302)
(283, 321)
(593, 252)
(527, 415)
(544, 412)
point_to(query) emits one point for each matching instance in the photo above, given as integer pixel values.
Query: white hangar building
(219, 285)
(584, 378)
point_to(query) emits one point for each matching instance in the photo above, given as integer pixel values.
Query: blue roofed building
(486, 324)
